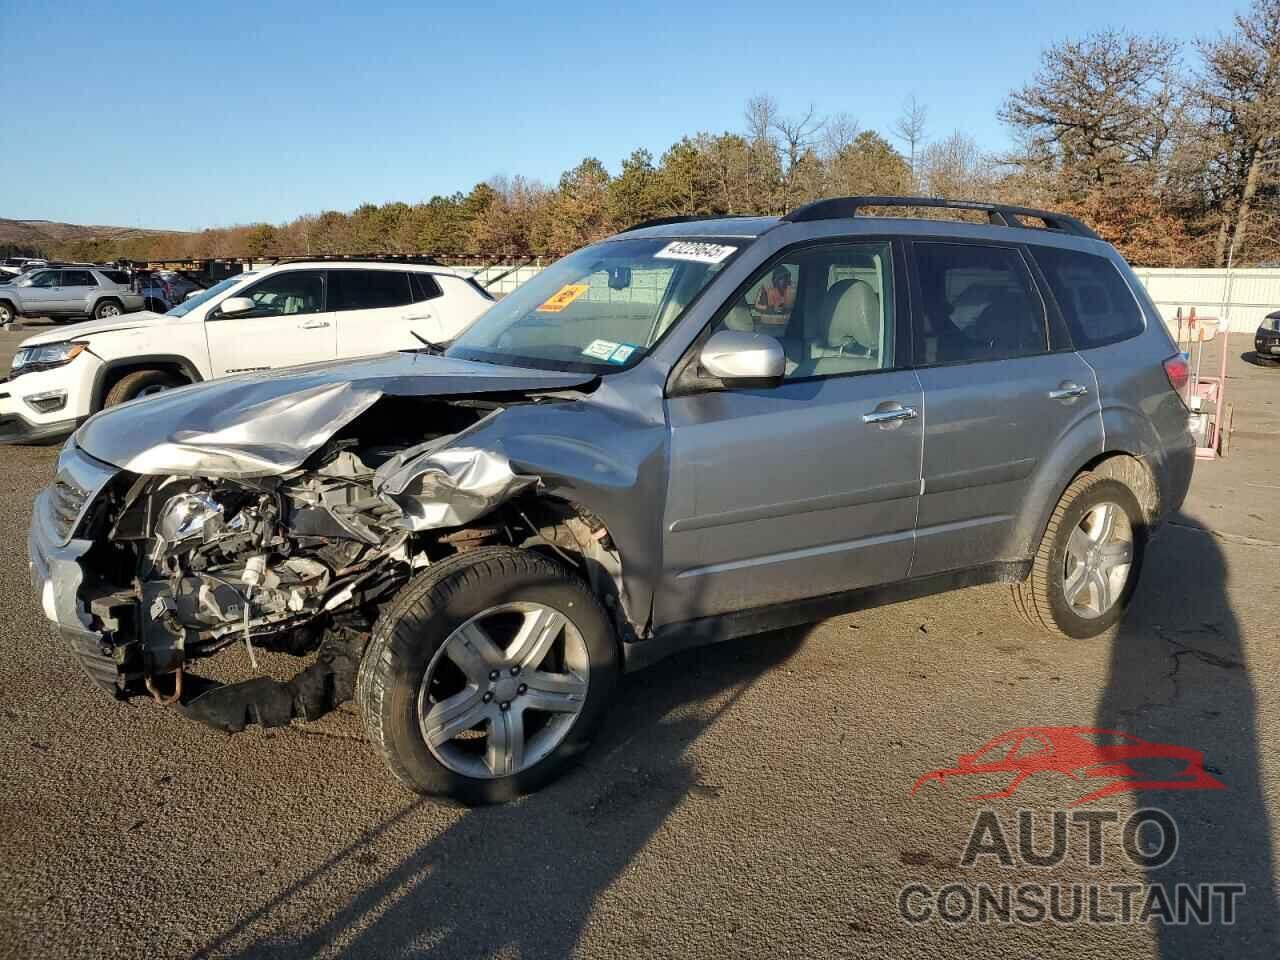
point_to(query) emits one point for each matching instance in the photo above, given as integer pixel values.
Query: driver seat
(848, 331)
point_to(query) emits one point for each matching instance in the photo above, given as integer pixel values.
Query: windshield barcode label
(694, 250)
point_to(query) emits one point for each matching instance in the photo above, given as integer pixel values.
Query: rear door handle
(890, 414)
(424, 316)
(313, 324)
(1068, 391)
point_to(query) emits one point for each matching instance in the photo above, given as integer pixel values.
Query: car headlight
(48, 354)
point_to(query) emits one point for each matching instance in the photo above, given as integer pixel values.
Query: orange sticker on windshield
(563, 297)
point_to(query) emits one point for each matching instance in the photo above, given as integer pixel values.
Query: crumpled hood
(79, 331)
(265, 424)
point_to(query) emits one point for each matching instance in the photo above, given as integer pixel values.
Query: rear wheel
(488, 675)
(106, 309)
(1087, 567)
(140, 383)
(7, 314)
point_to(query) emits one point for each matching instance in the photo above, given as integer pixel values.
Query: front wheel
(7, 314)
(1086, 569)
(488, 675)
(139, 383)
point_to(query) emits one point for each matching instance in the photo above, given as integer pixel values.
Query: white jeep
(281, 316)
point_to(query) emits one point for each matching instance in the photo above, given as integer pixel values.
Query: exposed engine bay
(303, 562)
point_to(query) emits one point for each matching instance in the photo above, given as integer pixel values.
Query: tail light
(1178, 371)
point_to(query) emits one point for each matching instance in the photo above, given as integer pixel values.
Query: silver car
(69, 293)
(691, 431)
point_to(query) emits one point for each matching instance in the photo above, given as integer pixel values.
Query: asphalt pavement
(752, 799)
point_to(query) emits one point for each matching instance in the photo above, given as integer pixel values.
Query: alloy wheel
(1098, 558)
(503, 690)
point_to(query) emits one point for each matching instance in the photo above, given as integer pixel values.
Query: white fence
(1240, 299)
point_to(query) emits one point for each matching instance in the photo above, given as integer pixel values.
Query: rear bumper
(1179, 462)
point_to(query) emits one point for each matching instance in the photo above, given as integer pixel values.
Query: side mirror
(236, 306)
(741, 359)
(192, 293)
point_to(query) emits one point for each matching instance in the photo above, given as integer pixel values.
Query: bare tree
(1239, 94)
(1098, 108)
(955, 167)
(797, 134)
(761, 115)
(839, 134)
(910, 128)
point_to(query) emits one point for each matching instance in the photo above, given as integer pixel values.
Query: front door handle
(313, 324)
(1068, 391)
(425, 316)
(887, 415)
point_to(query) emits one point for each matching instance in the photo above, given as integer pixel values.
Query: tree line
(1169, 150)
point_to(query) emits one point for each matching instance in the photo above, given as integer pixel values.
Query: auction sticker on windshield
(563, 297)
(694, 250)
(600, 349)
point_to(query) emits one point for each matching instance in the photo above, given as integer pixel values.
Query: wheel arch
(112, 371)
(99, 298)
(1131, 469)
(566, 528)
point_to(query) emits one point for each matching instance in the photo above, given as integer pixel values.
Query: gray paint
(725, 500)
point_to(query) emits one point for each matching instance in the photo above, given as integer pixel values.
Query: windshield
(598, 309)
(182, 309)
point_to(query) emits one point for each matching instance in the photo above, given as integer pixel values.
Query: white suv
(281, 316)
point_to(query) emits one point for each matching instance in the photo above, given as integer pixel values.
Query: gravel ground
(752, 799)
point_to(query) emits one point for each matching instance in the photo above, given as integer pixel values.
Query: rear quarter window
(1095, 301)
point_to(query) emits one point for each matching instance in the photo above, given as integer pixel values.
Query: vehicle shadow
(522, 879)
(1253, 357)
(1179, 675)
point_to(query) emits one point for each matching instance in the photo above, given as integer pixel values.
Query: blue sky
(206, 114)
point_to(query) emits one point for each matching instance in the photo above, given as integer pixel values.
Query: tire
(407, 658)
(1043, 597)
(7, 314)
(107, 307)
(139, 383)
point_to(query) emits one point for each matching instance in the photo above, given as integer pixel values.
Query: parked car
(14, 266)
(1266, 339)
(68, 293)
(159, 293)
(278, 317)
(616, 462)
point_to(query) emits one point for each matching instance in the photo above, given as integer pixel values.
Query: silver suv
(694, 430)
(68, 293)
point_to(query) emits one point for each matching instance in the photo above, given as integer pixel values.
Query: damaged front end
(147, 574)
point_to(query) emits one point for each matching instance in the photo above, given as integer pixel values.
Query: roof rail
(663, 221)
(341, 257)
(998, 214)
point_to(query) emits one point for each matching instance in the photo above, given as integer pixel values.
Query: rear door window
(976, 303)
(1095, 301)
(424, 287)
(367, 289)
(78, 278)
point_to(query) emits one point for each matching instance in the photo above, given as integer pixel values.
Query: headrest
(851, 312)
